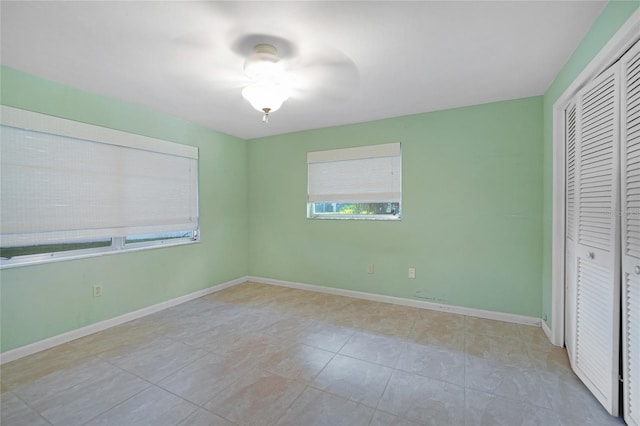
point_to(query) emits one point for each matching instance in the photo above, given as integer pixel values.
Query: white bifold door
(602, 287)
(597, 256)
(630, 173)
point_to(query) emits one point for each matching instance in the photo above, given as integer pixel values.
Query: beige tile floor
(263, 355)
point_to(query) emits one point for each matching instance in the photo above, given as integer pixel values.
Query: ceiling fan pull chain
(265, 117)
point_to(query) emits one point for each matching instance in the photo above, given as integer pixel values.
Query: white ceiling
(383, 58)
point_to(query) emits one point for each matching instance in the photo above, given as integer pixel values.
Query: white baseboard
(548, 332)
(13, 354)
(17, 353)
(472, 312)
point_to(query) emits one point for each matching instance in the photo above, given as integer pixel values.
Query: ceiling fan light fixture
(264, 70)
(262, 96)
(268, 89)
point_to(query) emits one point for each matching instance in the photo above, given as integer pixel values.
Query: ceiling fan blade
(330, 75)
(194, 63)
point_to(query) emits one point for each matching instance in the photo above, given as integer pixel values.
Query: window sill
(350, 217)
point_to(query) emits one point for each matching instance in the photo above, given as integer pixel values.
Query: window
(72, 189)
(355, 183)
(160, 237)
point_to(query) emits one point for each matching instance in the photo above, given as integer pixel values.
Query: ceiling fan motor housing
(263, 63)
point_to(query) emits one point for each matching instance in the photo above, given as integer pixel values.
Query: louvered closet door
(597, 249)
(570, 242)
(630, 173)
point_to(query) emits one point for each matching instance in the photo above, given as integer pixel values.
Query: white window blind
(367, 174)
(64, 181)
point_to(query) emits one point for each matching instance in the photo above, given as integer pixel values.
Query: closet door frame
(630, 188)
(624, 38)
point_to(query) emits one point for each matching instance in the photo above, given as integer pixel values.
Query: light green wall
(472, 210)
(41, 301)
(610, 20)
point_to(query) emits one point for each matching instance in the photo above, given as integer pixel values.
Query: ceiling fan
(276, 69)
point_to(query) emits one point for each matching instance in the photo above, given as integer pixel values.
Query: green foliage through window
(356, 209)
(10, 252)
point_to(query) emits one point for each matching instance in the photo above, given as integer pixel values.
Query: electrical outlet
(97, 290)
(412, 273)
(370, 268)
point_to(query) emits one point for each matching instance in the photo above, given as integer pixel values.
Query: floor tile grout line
(208, 411)
(184, 398)
(353, 332)
(341, 396)
(207, 353)
(149, 380)
(386, 385)
(510, 398)
(16, 389)
(29, 406)
(118, 404)
(367, 361)
(286, 410)
(87, 359)
(420, 422)
(200, 406)
(150, 385)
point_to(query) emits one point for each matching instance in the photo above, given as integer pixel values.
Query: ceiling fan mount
(265, 52)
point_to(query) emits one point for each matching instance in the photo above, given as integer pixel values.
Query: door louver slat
(591, 318)
(571, 170)
(631, 309)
